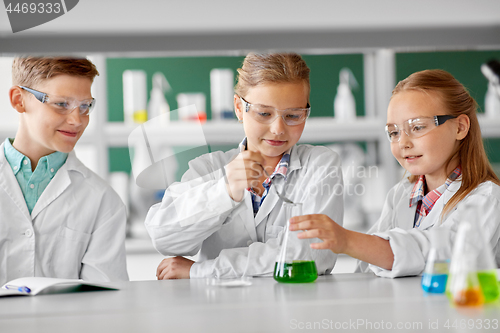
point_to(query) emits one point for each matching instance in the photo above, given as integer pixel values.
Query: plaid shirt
(426, 202)
(281, 169)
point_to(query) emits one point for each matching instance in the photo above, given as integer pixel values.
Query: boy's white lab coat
(411, 245)
(76, 229)
(198, 214)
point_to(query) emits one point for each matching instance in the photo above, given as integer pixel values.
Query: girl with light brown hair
(435, 135)
(224, 207)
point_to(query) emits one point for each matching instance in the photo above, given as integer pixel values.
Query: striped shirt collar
(425, 202)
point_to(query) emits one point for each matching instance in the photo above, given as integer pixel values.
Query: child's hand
(321, 226)
(243, 172)
(174, 268)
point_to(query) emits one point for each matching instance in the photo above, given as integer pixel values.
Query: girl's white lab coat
(198, 214)
(411, 245)
(76, 229)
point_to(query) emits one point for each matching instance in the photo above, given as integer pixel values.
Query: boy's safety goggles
(416, 127)
(63, 105)
(267, 114)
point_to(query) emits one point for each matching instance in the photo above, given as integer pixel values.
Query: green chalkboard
(465, 66)
(192, 74)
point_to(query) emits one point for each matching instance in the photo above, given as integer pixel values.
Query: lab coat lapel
(59, 183)
(435, 214)
(246, 216)
(56, 187)
(406, 214)
(268, 204)
(9, 184)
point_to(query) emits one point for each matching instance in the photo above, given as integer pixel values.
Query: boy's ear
(463, 126)
(16, 99)
(238, 107)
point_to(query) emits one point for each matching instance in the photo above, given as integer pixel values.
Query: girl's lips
(70, 134)
(412, 158)
(275, 142)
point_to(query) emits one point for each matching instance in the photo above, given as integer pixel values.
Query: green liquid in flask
(489, 285)
(298, 271)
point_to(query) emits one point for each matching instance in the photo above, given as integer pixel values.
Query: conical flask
(295, 263)
(438, 261)
(485, 264)
(463, 288)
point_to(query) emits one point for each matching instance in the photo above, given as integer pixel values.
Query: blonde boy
(57, 218)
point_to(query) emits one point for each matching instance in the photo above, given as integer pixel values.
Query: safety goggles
(268, 114)
(416, 127)
(63, 105)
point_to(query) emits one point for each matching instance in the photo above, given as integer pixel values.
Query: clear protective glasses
(268, 114)
(63, 105)
(416, 127)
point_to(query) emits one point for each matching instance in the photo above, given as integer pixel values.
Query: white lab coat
(411, 245)
(76, 229)
(198, 214)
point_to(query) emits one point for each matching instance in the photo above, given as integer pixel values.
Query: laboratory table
(341, 302)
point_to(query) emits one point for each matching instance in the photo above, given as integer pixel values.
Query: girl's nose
(404, 140)
(278, 126)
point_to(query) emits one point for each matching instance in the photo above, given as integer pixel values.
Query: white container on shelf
(221, 93)
(192, 114)
(158, 105)
(492, 102)
(491, 70)
(134, 96)
(344, 104)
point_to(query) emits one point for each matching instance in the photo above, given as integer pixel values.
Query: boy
(57, 218)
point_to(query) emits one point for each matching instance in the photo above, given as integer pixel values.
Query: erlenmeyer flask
(463, 288)
(438, 261)
(295, 263)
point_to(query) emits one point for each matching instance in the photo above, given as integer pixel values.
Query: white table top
(342, 302)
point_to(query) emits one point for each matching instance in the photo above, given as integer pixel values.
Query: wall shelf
(317, 130)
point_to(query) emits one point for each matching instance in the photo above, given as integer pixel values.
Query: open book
(31, 286)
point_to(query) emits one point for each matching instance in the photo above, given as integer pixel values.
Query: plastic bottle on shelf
(134, 96)
(192, 107)
(221, 93)
(437, 265)
(344, 104)
(158, 105)
(491, 70)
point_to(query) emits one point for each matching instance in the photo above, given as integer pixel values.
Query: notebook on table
(31, 286)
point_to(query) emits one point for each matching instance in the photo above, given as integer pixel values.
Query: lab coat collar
(60, 183)
(9, 184)
(294, 160)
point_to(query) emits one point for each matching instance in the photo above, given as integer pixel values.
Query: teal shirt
(33, 183)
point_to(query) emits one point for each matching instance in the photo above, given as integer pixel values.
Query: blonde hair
(271, 68)
(31, 71)
(472, 157)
